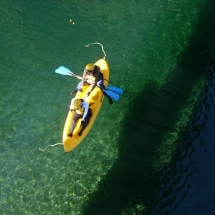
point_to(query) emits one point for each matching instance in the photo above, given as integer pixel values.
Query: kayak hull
(95, 100)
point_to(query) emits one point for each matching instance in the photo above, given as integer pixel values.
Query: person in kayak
(81, 109)
(92, 75)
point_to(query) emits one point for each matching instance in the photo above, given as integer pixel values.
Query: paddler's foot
(73, 92)
(69, 135)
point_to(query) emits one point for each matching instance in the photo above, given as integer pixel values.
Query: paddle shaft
(76, 76)
(79, 77)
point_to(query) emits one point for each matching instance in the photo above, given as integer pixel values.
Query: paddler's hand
(80, 90)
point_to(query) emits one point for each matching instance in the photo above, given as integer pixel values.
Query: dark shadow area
(133, 182)
(189, 172)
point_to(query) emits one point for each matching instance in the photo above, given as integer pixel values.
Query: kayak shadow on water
(131, 185)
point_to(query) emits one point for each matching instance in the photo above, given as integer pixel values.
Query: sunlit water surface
(152, 151)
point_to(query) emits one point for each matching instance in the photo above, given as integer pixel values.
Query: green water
(143, 41)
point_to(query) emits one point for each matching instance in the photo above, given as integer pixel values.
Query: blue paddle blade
(63, 68)
(62, 72)
(112, 95)
(115, 89)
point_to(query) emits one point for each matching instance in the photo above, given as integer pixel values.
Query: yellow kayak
(94, 100)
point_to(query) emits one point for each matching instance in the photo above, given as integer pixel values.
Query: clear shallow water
(133, 156)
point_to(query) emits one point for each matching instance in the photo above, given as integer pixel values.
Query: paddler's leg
(86, 121)
(101, 85)
(77, 88)
(76, 116)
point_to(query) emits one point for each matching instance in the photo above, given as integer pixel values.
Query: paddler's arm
(83, 79)
(86, 108)
(97, 75)
(96, 80)
(71, 105)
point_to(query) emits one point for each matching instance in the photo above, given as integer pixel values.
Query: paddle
(115, 89)
(112, 95)
(64, 71)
